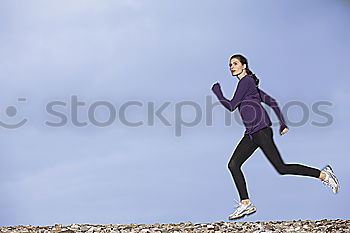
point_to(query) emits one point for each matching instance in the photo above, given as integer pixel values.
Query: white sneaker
(242, 210)
(331, 180)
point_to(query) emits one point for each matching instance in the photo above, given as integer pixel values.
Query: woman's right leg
(243, 151)
(264, 138)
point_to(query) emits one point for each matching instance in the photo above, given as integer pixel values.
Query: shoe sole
(331, 173)
(252, 211)
(335, 179)
(337, 182)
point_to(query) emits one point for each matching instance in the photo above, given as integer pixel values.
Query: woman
(258, 133)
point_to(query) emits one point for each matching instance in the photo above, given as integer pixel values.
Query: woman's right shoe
(242, 210)
(331, 180)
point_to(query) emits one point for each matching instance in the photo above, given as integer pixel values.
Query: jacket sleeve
(240, 92)
(274, 105)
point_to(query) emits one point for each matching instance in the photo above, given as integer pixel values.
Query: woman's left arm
(240, 92)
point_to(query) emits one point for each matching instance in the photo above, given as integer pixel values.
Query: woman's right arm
(274, 105)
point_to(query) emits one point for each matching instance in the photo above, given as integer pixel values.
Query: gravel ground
(323, 225)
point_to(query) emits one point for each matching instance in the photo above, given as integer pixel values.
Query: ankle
(245, 202)
(323, 176)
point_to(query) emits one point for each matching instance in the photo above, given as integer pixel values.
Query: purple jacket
(247, 98)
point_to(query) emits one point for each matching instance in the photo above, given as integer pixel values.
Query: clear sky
(70, 70)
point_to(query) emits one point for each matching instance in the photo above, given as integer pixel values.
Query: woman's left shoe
(242, 210)
(331, 180)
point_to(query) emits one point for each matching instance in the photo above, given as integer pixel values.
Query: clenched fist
(216, 88)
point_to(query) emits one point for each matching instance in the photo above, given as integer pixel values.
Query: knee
(283, 169)
(282, 172)
(233, 165)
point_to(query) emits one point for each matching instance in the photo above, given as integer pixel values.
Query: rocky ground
(216, 227)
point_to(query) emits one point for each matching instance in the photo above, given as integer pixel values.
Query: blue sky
(156, 52)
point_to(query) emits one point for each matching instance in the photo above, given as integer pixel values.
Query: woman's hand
(216, 87)
(283, 128)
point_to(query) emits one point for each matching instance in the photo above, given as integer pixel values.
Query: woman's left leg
(264, 138)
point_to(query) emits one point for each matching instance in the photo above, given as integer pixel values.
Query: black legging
(263, 139)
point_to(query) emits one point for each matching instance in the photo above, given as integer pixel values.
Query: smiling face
(236, 67)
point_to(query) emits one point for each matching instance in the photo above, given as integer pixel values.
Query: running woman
(248, 97)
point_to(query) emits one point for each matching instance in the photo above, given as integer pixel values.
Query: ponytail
(250, 73)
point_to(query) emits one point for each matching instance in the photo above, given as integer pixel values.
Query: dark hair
(244, 60)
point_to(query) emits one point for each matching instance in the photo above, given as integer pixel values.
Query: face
(236, 67)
